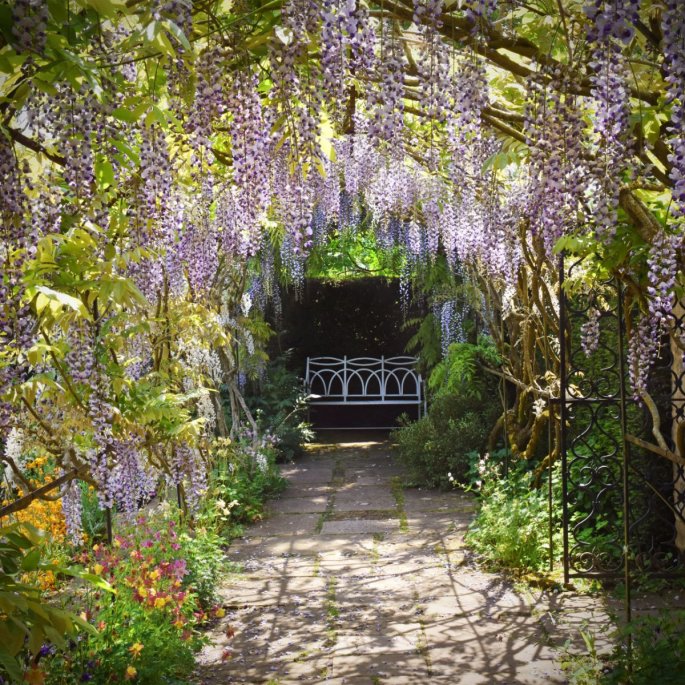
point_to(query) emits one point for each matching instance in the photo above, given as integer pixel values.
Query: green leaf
(107, 8)
(10, 665)
(36, 638)
(104, 172)
(176, 32)
(55, 301)
(31, 560)
(11, 639)
(95, 580)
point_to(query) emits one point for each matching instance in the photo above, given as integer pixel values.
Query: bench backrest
(364, 380)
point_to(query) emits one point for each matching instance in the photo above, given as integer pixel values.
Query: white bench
(358, 381)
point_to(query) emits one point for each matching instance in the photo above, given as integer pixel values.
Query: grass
(325, 515)
(332, 613)
(398, 493)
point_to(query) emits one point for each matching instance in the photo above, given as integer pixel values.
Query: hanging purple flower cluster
(16, 244)
(130, 484)
(155, 173)
(347, 48)
(75, 119)
(433, 62)
(673, 23)
(662, 262)
(451, 325)
(642, 353)
(608, 19)
(333, 54)
(199, 252)
(554, 134)
(251, 148)
(386, 102)
(210, 100)
(470, 96)
(188, 468)
(610, 29)
(480, 10)
(29, 23)
(72, 509)
(297, 96)
(589, 331)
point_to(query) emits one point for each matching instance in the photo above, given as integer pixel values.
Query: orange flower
(135, 649)
(130, 673)
(35, 676)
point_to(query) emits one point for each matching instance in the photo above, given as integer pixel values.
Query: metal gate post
(625, 474)
(563, 418)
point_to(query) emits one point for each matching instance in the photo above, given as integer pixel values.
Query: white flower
(14, 447)
(262, 462)
(539, 406)
(246, 303)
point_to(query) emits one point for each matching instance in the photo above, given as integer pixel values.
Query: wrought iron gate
(623, 492)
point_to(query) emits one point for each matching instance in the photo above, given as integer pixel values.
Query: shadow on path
(351, 579)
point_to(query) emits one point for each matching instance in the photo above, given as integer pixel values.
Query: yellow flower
(131, 673)
(153, 575)
(135, 649)
(98, 569)
(142, 591)
(160, 602)
(220, 612)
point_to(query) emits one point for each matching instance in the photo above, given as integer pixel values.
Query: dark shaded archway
(360, 317)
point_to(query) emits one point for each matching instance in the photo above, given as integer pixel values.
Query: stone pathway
(352, 579)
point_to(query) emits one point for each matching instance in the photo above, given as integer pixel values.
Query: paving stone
(363, 493)
(298, 505)
(306, 490)
(416, 500)
(382, 501)
(295, 524)
(278, 590)
(320, 475)
(358, 526)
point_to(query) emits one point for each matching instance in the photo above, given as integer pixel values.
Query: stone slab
(306, 490)
(359, 526)
(364, 503)
(298, 505)
(416, 500)
(295, 524)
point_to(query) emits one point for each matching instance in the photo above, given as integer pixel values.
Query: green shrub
(205, 562)
(459, 420)
(658, 654)
(279, 405)
(243, 476)
(440, 443)
(511, 529)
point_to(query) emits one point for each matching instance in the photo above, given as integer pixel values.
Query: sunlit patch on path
(353, 579)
